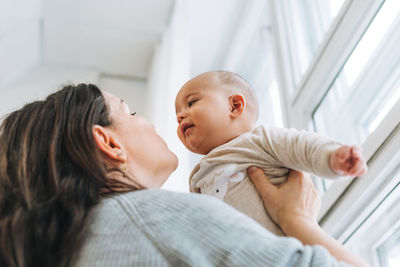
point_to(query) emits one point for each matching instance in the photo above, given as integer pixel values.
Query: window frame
(342, 204)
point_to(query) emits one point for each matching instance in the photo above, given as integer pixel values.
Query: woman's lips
(186, 128)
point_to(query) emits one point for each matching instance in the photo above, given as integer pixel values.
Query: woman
(71, 172)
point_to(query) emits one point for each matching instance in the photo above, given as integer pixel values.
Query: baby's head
(214, 108)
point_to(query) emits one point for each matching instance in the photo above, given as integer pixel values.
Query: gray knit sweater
(162, 228)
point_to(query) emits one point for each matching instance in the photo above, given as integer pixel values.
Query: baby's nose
(180, 116)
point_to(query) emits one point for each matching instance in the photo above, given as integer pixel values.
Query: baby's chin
(196, 148)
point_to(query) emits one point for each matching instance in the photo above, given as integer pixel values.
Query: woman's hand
(294, 205)
(296, 198)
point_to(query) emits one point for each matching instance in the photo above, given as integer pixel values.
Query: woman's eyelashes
(133, 114)
(190, 103)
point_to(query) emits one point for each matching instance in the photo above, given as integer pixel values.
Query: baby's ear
(236, 103)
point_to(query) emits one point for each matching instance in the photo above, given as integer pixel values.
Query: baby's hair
(238, 84)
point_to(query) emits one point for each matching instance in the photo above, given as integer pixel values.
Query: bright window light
(394, 256)
(335, 6)
(308, 22)
(389, 251)
(276, 102)
(384, 111)
(368, 86)
(371, 39)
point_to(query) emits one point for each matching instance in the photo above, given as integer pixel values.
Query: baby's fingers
(356, 152)
(362, 171)
(357, 167)
(344, 153)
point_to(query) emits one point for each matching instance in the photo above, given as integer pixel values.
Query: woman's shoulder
(162, 228)
(152, 202)
(156, 198)
(126, 228)
(156, 210)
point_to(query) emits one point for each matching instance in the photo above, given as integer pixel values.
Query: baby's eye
(133, 114)
(190, 103)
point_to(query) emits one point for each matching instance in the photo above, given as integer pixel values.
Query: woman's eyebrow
(124, 103)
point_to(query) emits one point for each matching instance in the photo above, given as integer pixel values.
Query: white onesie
(222, 172)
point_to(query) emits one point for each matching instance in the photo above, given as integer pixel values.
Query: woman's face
(149, 160)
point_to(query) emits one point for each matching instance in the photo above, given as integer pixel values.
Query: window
(377, 236)
(367, 217)
(389, 251)
(306, 25)
(342, 79)
(252, 56)
(368, 85)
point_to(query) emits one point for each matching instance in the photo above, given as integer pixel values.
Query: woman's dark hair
(51, 176)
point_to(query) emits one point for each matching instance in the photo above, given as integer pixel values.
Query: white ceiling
(114, 37)
(119, 37)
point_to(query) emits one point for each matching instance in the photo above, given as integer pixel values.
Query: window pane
(389, 251)
(368, 85)
(308, 22)
(257, 65)
(377, 237)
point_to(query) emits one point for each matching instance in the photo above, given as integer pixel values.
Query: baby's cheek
(179, 134)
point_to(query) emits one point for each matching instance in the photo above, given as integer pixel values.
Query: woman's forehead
(112, 98)
(113, 101)
(109, 97)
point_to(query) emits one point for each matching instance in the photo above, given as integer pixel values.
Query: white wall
(26, 76)
(44, 79)
(170, 70)
(213, 24)
(39, 82)
(133, 92)
(20, 41)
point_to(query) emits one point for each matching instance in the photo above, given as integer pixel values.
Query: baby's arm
(348, 160)
(312, 152)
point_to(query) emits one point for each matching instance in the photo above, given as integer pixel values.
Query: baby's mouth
(186, 128)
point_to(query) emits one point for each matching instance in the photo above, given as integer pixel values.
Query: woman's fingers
(293, 174)
(296, 196)
(303, 192)
(261, 182)
(268, 192)
(301, 178)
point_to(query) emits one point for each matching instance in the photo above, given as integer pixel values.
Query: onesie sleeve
(197, 230)
(299, 150)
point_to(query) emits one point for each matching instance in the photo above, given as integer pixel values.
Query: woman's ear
(236, 103)
(108, 144)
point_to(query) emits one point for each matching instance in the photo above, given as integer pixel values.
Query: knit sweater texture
(162, 228)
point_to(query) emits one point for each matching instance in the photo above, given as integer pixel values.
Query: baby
(217, 112)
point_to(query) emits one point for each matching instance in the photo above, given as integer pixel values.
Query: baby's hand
(348, 160)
